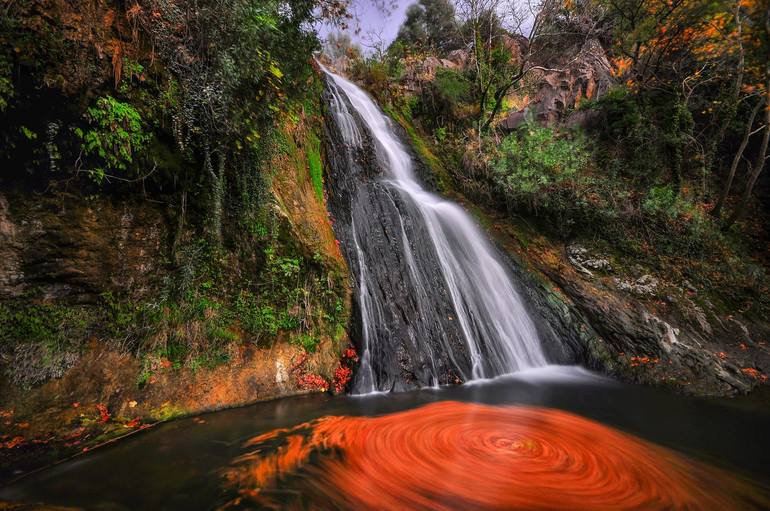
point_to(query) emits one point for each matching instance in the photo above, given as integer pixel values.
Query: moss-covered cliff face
(164, 243)
(111, 318)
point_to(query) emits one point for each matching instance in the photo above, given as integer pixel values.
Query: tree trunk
(736, 93)
(759, 164)
(736, 161)
(218, 199)
(217, 194)
(180, 226)
(499, 96)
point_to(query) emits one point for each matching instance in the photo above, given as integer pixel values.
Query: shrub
(41, 340)
(451, 86)
(643, 136)
(115, 137)
(534, 161)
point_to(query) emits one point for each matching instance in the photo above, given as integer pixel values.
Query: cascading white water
(499, 333)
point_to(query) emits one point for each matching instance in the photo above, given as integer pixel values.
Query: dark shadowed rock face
(62, 249)
(418, 336)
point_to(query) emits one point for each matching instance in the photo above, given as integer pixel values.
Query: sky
(372, 23)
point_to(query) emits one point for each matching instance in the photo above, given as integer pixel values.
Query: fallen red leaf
(104, 414)
(14, 442)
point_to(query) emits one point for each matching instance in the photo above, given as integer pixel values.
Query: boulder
(448, 64)
(582, 260)
(516, 45)
(459, 58)
(587, 76)
(514, 120)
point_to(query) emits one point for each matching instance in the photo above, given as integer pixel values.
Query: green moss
(44, 340)
(314, 164)
(167, 411)
(421, 146)
(307, 341)
(53, 325)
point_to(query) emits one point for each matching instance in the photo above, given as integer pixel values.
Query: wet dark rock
(369, 210)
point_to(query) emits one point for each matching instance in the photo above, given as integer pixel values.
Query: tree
(412, 30)
(235, 62)
(441, 24)
(490, 29)
(339, 44)
(712, 58)
(430, 24)
(758, 55)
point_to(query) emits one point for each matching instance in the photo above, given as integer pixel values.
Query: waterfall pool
(553, 437)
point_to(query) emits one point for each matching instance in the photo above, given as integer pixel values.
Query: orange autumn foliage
(750, 371)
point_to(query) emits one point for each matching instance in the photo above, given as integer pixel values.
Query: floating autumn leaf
(419, 459)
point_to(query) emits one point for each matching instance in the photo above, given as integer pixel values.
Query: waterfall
(435, 302)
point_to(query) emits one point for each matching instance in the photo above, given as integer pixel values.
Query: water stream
(454, 276)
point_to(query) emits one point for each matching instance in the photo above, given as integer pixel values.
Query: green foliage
(430, 24)
(316, 169)
(28, 134)
(132, 69)
(49, 324)
(43, 340)
(452, 86)
(308, 342)
(445, 100)
(534, 161)
(6, 83)
(116, 137)
(643, 136)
